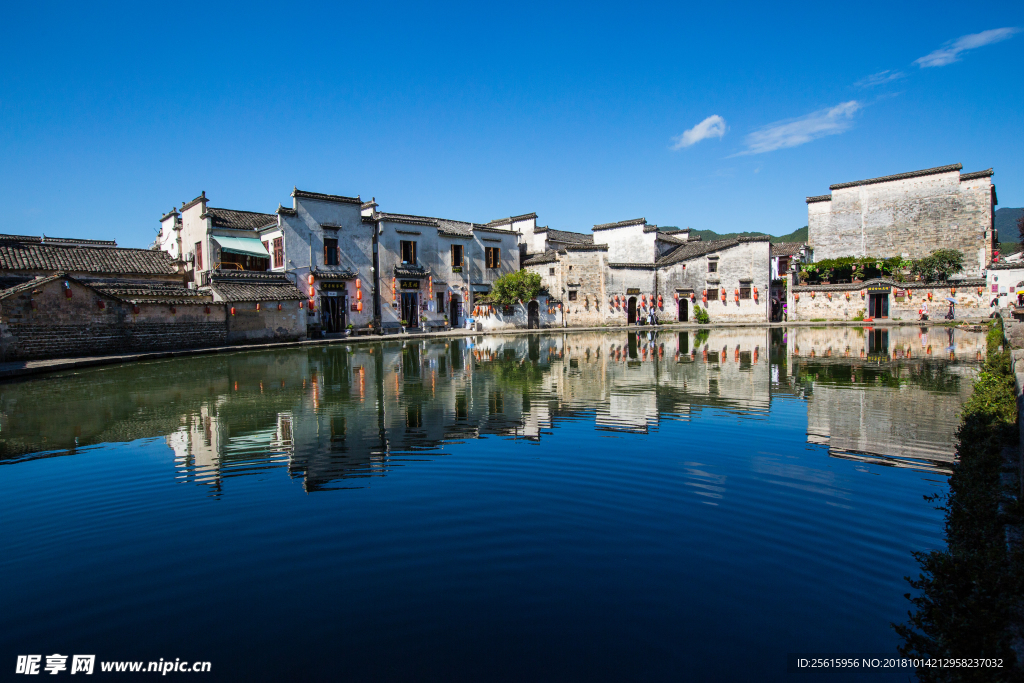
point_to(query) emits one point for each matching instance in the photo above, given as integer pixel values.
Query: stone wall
(747, 264)
(247, 324)
(850, 301)
(45, 323)
(912, 216)
(897, 342)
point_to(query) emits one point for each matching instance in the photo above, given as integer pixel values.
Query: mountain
(799, 235)
(1006, 227)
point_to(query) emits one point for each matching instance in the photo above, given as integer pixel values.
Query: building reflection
(332, 416)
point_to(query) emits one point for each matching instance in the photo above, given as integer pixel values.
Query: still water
(586, 506)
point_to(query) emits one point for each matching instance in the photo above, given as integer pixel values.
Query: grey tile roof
(31, 284)
(302, 194)
(857, 286)
(786, 248)
(512, 219)
(454, 228)
(135, 292)
(254, 286)
(21, 238)
(569, 237)
(898, 176)
(411, 271)
(1015, 265)
(81, 259)
(239, 220)
(819, 198)
(73, 242)
(670, 239)
(691, 250)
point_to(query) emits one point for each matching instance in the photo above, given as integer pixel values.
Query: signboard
(354, 308)
(879, 289)
(409, 284)
(333, 285)
(333, 293)
(633, 290)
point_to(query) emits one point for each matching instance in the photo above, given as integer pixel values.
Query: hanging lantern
(359, 306)
(863, 294)
(310, 279)
(643, 299)
(660, 303)
(693, 296)
(232, 310)
(755, 293)
(980, 289)
(737, 295)
(829, 295)
(312, 304)
(359, 283)
(723, 295)
(279, 307)
(300, 307)
(847, 296)
(101, 304)
(135, 309)
(394, 288)
(737, 356)
(173, 310)
(929, 296)
(812, 294)
(796, 297)
(257, 307)
(206, 310)
(952, 290)
(359, 294)
(755, 353)
(677, 296)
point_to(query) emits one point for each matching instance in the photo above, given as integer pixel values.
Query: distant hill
(799, 235)
(1006, 226)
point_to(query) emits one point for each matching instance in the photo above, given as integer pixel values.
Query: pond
(582, 506)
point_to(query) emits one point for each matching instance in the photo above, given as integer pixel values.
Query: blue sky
(112, 114)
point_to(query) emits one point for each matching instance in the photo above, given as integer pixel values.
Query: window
(493, 257)
(408, 252)
(456, 256)
(712, 266)
(572, 295)
(745, 291)
(440, 302)
(330, 251)
(551, 271)
(712, 294)
(278, 252)
(199, 255)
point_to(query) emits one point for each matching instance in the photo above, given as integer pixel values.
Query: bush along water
(967, 598)
(701, 314)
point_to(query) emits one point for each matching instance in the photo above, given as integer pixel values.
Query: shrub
(701, 314)
(512, 288)
(939, 265)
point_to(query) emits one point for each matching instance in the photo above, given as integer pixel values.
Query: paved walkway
(29, 368)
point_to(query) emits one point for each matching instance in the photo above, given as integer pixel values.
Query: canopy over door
(246, 246)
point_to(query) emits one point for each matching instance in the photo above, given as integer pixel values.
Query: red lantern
(67, 291)
(693, 296)
(755, 293)
(677, 296)
(135, 309)
(279, 307)
(312, 305)
(300, 307)
(359, 283)
(359, 294)
(723, 294)
(257, 306)
(796, 297)
(660, 304)
(359, 306)
(929, 296)
(737, 296)
(173, 310)
(310, 279)
(206, 310)
(952, 290)
(101, 304)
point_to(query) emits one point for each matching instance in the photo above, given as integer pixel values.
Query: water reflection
(332, 416)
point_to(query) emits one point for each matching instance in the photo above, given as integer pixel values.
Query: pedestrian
(923, 311)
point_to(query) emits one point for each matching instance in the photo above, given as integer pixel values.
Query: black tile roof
(328, 275)
(134, 292)
(549, 256)
(512, 219)
(254, 286)
(987, 173)
(857, 286)
(585, 247)
(302, 194)
(898, 176)
(285, 211)
(691, 250)
(569, 237)
(620, 224)
(83, 259)
(786, 248)
(405, 270)
(819, 198)
(31, 284)
(239, 220)
(1002, 265)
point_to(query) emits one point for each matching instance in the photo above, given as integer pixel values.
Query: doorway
(455, 314)
(411, 309)
(684, 309)
(632, 310)
(333, 313)
(533, 315)
(878, 306)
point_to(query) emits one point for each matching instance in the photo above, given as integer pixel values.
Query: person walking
(923, 311)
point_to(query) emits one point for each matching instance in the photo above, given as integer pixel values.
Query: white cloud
(951, 53)
(879, 78)
(711, 127)
(793, 132)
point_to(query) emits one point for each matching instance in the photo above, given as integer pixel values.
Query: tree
(512, 288)
(1020, 229)
(939, 265)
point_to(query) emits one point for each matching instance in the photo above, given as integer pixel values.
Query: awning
(246, 246)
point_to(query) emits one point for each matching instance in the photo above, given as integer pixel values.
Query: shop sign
(410, 284)
(879, 289)
(325, 286)
(632, 290)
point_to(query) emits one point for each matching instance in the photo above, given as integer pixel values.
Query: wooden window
(712, 294)
(330, 251)
(572, 295)
(278, 252)
(493, 255)
(551, 271)
(456, 256)
(199, 255)
(408, 252)
(744, 291)
(440, 302)
(712, 266)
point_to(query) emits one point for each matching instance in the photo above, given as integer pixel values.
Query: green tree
(939, 265)
(512, 288)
